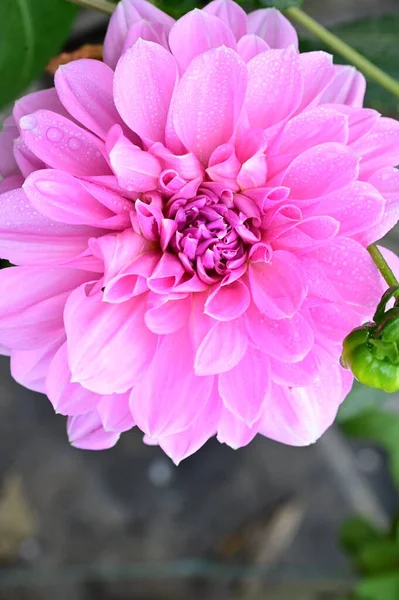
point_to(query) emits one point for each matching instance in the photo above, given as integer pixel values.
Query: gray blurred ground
(126, 524)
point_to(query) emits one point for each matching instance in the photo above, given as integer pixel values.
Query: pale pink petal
(278, 287)
(333, 320)
(208, 101)
(271, 25)
(288, 340)
(230, 13)
(267, 103)
(32, 301)
(379, 148)
(27, 162)
(11, 183)
(131, 280)
(228, 302)
(143, 86)
(114, 412)
(169, 397)
(386, 181)
(168, 317)
(9, 133)
(321, 170)
(62, 144)
(42, 99)
(124, 16)
(135, 169)
(109, 346)
(233, 431)
(29, 238)
(67, 398)
(244, 389)
(296, 374)
(195, 33)
(317, 71)
(85, 89)
(348, 87)
(251, 45)
(307, 234)
(222, 348)
(151, 32)
(29, 367)
(87, 433)
(117, 250)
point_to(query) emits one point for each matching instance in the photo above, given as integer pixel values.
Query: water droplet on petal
(54, 134)
(74, 143)
(28, 122)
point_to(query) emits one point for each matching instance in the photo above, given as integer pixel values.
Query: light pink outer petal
(124, 16)
(62, 144)
(347, 87)
(274, 88)
(251, 45)
(299, 416)
(318, 71)
(228, 302)
(245, 388)
(85, 88)
(379, 148)
(271, 25)
(43, 99)
(9, 132)
(144, 82)
(231, 13)
(386, 181)
(32, 301)
(29, 238)
(233, 431)
(195, 33)
(87, 433)
(208, 101)
(67, 398)
(29, 367)
(170, 396)
(109, 346)
(222, 348)
(115, 412)
(278, 287)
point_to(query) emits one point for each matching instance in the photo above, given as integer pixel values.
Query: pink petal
(109, 346)
(168, 317)
(85, 89)
(221, 349)
(87, 433)
(124, 16)
(9, 133)
(379, 148)
(228, 302)
(149, 67)
(166, 275)
(230, 13)
(195, 33)
(334, 320)
(233, 431)
(296, 374)
(32, 303)
(170, 396)
(271, 25)
(11, 183)
(29, 367)
(321, 170)
(151, 32)
(307, 234)
(288, 340)
(386, 181)
(116, 250)
(114, 412)
(63, 145)
(278, 288)
(251, 45)
(67, 398)
(268, 102)
(244, 389)
(131, 280)
(187, 165)
(42, 99)
(347, 87)
(27, 162)
(135, 169)
(29, 238)
(313, 127)
(208, 101)
(318, 71)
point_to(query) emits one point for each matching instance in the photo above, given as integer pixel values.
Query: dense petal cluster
(189, 220)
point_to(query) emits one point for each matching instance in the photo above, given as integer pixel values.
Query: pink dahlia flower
(189, 222)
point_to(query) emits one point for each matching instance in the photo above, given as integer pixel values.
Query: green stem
(382, 266)
(352, 56)
(101, 5)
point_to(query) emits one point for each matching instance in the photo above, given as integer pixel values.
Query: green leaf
(360, 399)
(379, 557)
(375, 425)
(31, 32)
(379, 588)
(356, 533)
(377, 38)
(279, 4)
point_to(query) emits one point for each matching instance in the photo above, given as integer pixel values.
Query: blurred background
(265, 522)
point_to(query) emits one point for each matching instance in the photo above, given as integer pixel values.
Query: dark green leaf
(375, 425)
(31, 32)
(377, 38)
(379, 557)
(379, 588)
(356, 533)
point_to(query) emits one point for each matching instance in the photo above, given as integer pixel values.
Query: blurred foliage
(377, 38)
(31, 32)
(374, 552)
